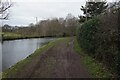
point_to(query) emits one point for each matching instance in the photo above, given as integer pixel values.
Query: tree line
(55, 27)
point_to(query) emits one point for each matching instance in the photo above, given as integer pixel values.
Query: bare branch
(4, 9)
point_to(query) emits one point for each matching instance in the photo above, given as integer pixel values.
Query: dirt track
(59, 61)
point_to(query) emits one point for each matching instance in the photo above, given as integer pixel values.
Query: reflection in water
(16, 50)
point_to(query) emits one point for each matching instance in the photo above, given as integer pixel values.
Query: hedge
(99, 38)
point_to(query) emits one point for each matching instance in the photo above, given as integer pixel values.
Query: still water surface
(16, 50)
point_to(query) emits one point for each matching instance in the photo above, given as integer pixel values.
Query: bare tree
(4, 9)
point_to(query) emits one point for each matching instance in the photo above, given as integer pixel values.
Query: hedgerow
(99, 38)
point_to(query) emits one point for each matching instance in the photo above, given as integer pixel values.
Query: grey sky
(24, 12)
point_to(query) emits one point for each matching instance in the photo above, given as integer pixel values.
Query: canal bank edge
(19, 65)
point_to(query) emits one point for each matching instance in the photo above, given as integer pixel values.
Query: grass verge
(18, 66)
(95, 69)
(13, 36)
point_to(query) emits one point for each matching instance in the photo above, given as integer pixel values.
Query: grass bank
(13, 36)
(95, 69)
(10, 36)
(18, 66)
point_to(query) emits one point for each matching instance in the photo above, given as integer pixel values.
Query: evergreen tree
(92, 9)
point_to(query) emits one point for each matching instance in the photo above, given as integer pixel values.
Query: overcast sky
(24, 12)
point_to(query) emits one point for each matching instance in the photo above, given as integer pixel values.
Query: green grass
(95, 69)
(22, 63)
(10, 36)
(13, 36)
(7, 34)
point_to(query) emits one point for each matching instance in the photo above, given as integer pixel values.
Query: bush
(99, 37)
(86, 35)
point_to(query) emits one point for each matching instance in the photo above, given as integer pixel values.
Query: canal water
(16, 50)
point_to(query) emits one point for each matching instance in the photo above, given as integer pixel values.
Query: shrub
(99, 37)
(86, 35)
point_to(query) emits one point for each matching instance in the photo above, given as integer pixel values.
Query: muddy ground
(59, 61)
